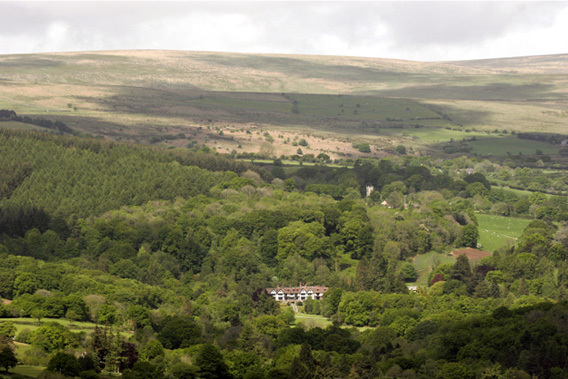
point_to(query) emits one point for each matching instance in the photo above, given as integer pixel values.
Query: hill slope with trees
(168, 251)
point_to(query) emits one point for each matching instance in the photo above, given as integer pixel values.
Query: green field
(249, 104)
(504, 185)
(30, 371)
(423, 264)
(497, 231)
(21, 126)
(32, 324)
(312, 321)
(366, 108)
(510, 145)
(432, 134)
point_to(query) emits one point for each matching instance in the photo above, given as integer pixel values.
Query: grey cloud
(464, 22)
(370, 28)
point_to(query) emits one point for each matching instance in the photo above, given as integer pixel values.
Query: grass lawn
(497, 231)
(312, 321)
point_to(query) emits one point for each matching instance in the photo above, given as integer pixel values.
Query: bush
(364, 148)
(24, 335)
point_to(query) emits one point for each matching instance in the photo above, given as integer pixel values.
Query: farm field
(510, 145)
(497, 231)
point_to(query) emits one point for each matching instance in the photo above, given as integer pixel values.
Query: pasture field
(364, 108)
(497, 231)
(510, 145)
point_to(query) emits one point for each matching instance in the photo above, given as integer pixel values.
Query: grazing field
(497, 231)
(510, 145)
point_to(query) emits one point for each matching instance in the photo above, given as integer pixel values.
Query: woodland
(148, 199)
(166, 254)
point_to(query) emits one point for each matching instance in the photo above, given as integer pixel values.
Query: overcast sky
(424, 31)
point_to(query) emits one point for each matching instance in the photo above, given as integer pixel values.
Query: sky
(422, 30)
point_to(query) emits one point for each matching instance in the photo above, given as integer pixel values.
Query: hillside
(147, 260)
(229, 101)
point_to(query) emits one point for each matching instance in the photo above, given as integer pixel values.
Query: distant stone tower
(369, 189)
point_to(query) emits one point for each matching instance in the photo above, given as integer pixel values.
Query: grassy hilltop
(245, 102)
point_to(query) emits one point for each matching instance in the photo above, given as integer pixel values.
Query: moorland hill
(263, 103)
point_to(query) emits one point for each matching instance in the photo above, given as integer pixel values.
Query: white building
(300, 293)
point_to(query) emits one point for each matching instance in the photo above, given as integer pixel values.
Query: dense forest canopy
(177, 246)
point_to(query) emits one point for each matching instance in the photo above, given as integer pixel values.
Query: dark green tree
(143, 370)
(470, 235)
(211, 363)
(307, 358)
(298, 370)
(64, 363)
(8, 359)
(183, 371)
(180, 332)
(461, 270)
